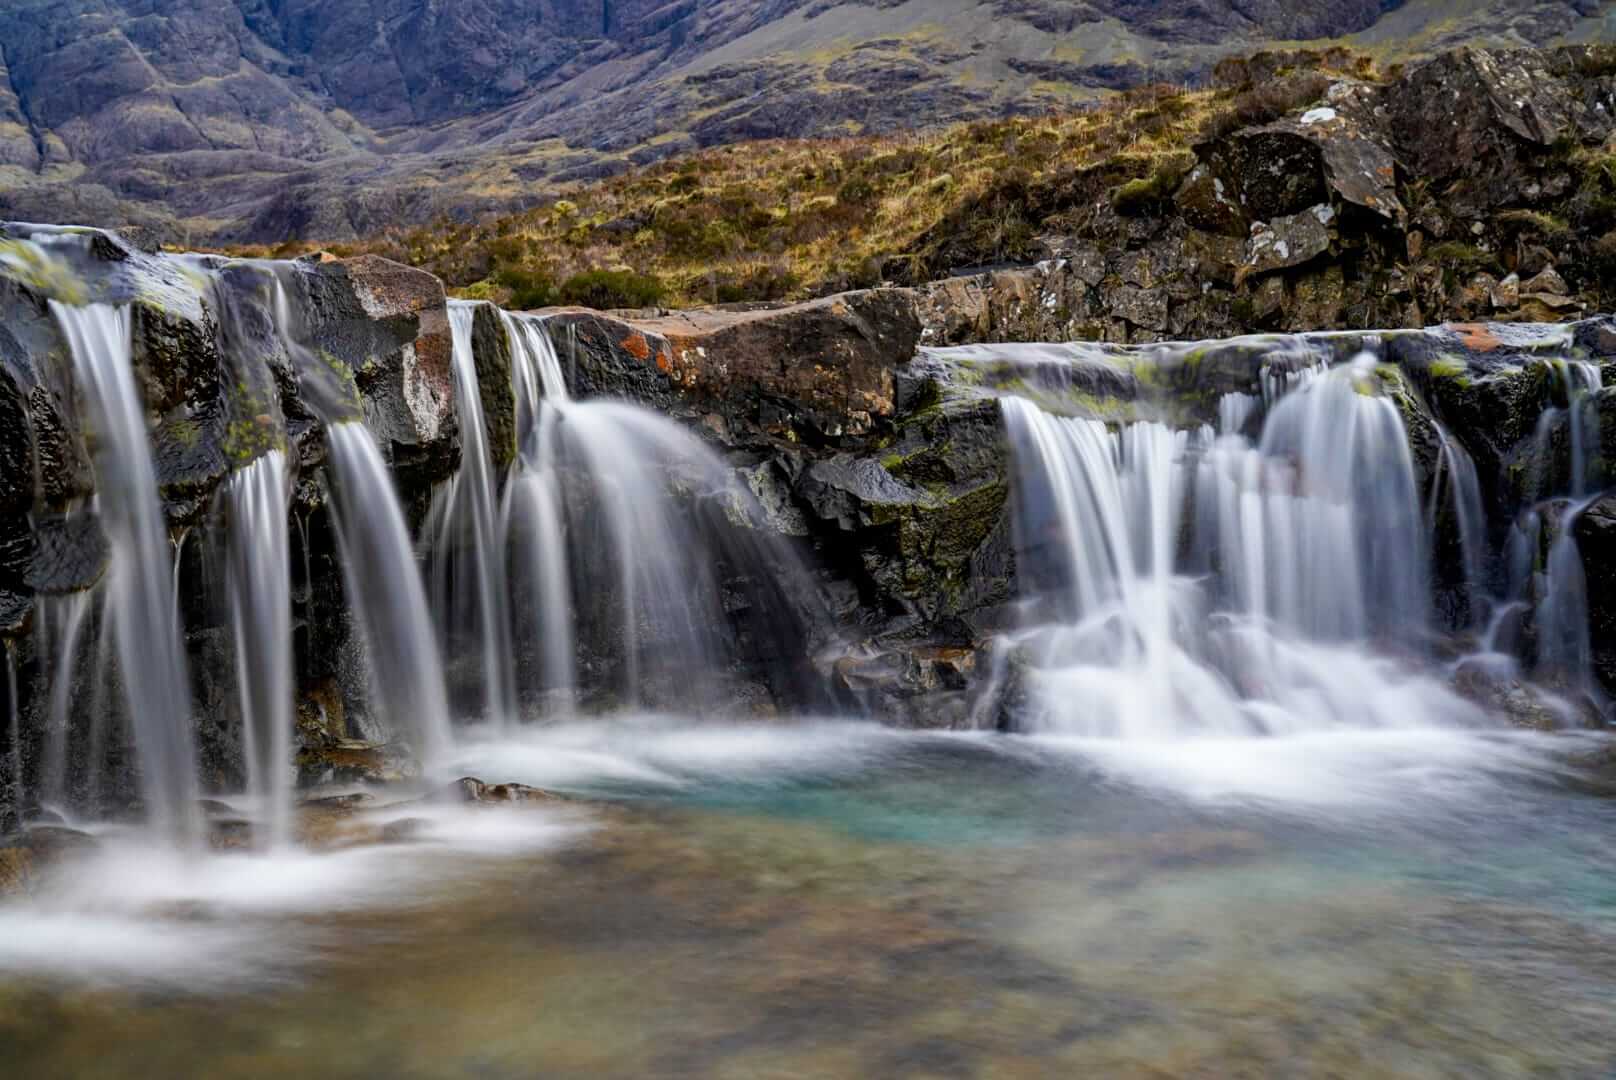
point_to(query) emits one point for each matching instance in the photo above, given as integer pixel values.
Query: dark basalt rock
(1355, 211)
(1595, 533)
(492, 348)
(222, 385)
(820, 373)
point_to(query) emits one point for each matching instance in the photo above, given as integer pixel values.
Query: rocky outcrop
(818, 373)
(224, 378)
(1348, 210)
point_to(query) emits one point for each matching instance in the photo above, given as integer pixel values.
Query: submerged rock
(353, 761)
(469, 789)
(28, 857)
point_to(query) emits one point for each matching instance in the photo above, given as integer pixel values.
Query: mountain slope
(267, 119)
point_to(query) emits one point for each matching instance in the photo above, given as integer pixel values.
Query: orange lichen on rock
(1478, 337)
(636, 346)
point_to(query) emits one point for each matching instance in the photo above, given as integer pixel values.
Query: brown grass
(785, 219)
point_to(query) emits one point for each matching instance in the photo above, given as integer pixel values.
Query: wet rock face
(389, 324)
(1595, 532)
(223, 382)
(27, 858)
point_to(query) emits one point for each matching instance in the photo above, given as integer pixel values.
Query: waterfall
(532, 523)
(385, 592)
(1345, 523)
(1564, 653)
(72, 610)
(1550, 583)
(1235, 410)
(1309, 544)
(258, 580)
(467, 545)
(621, 523)
(1579, 381)
(14, 732)
(535, 368)
(1269, 571)
(1456, 488)
(150, 649)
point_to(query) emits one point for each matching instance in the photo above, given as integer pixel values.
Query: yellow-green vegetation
(1535, 221)
(1461, 258)
(252, 430)
(26, 264)
(1147, 192)
(787, 219)
(1451, 367)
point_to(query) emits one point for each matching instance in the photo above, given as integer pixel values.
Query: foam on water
(671, 753)
(130, 912)
(1404, 769)
(1409, 772)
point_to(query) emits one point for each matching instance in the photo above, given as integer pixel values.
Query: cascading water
(1307, 545)
(466, 544)
(535, 369)
(620, 522)
(1579, 381)
(150, 650)
(385, 592)
(1550, 583)
(14, 730)
(69, 613)
(1334, 509)
(1456, 489)
(532, 517)
(258, 579)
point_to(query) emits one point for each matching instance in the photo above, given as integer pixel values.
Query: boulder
(1495, 110)
(820, 372)
(1206, 203)
(1289, 240)
(1347, 150)
(26, 858)
(923, 686)
(389, 325)
(1056, 300)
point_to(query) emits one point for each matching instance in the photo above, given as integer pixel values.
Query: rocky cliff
(242, 119)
